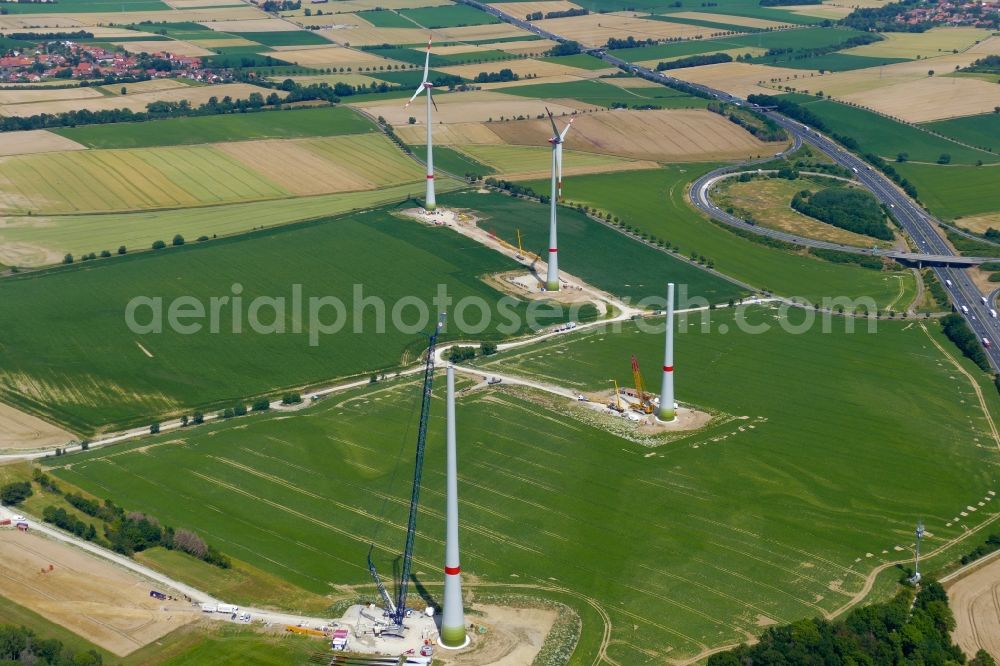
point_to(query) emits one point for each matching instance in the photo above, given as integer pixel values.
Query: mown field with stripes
(778, 509)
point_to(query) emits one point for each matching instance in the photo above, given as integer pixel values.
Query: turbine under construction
(429, 201)
(452, 632)
(666, 411)
(552, 278)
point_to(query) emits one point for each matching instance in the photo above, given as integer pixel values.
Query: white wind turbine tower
(429, 202)
(552, 279)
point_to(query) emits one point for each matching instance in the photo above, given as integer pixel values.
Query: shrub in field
(15, 493)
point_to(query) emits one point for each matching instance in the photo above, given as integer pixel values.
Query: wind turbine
(429, 202)
(552, 279)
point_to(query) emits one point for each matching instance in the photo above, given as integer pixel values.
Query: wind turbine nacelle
(428, 84)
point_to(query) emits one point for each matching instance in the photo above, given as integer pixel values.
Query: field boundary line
(972, 380)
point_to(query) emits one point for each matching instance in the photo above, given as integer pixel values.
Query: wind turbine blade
(419, 90)
(562, 135)
(555, 130)
(427, 61)
(431, 98)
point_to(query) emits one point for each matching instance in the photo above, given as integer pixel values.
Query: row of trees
(958, 331)
(538, 16)
(20, 645)
(905, 630)
(887, 18)
(503, 75)
(694, 61)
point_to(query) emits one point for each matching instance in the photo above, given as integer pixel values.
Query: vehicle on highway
(993, 313)
(965, 309)
(947, 282)
(986, 343)
(983, 299)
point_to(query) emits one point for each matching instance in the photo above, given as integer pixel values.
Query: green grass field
(285, 38)
(73, 358)
(887, 137)
(831, 62)
(768, 514)
(80, 234)
(605, 94)
(453, 161)
(323, 121)
(184, 176)
(955, 191)
(718, 25)
(416, 56)
(128, 180)
(982, 131)
(383, 18)
(581, 60)
(597, 255)
(448, 16)
(654, 202)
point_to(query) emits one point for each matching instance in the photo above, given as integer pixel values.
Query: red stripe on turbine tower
(668, 368)
(430, 176)
(553, 249)
(453, 571)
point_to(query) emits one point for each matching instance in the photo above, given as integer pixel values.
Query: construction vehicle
(303, 631)
(617, 404)
(396, 611)
(645, 404)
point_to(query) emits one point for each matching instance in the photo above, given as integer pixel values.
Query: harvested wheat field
(107, 605)
(21, 21)
(363, 5)
(251, 25)
(841, 84)
(743, 79)
(153, 85)
(478, 32)
(933, 98)
(175, 47)
(24, 95)
(191, 4)
(819, 11)
(453, 134)
(729, 18)
(333, 56)
(596, 29)
(35, 141)
(979, 224)
(528, 46)
(195, 15)
(480, 105)
(356, 32)
(20, 431)
(334, 164)
(196, 95)
(523, 68)
(525, 162)
(522, 9)
(930, 44)
(663, 135)
(975, 600)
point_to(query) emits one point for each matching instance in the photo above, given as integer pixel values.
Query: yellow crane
(645, 399)
(617, 404)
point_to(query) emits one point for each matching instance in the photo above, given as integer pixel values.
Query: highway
(914, 220)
